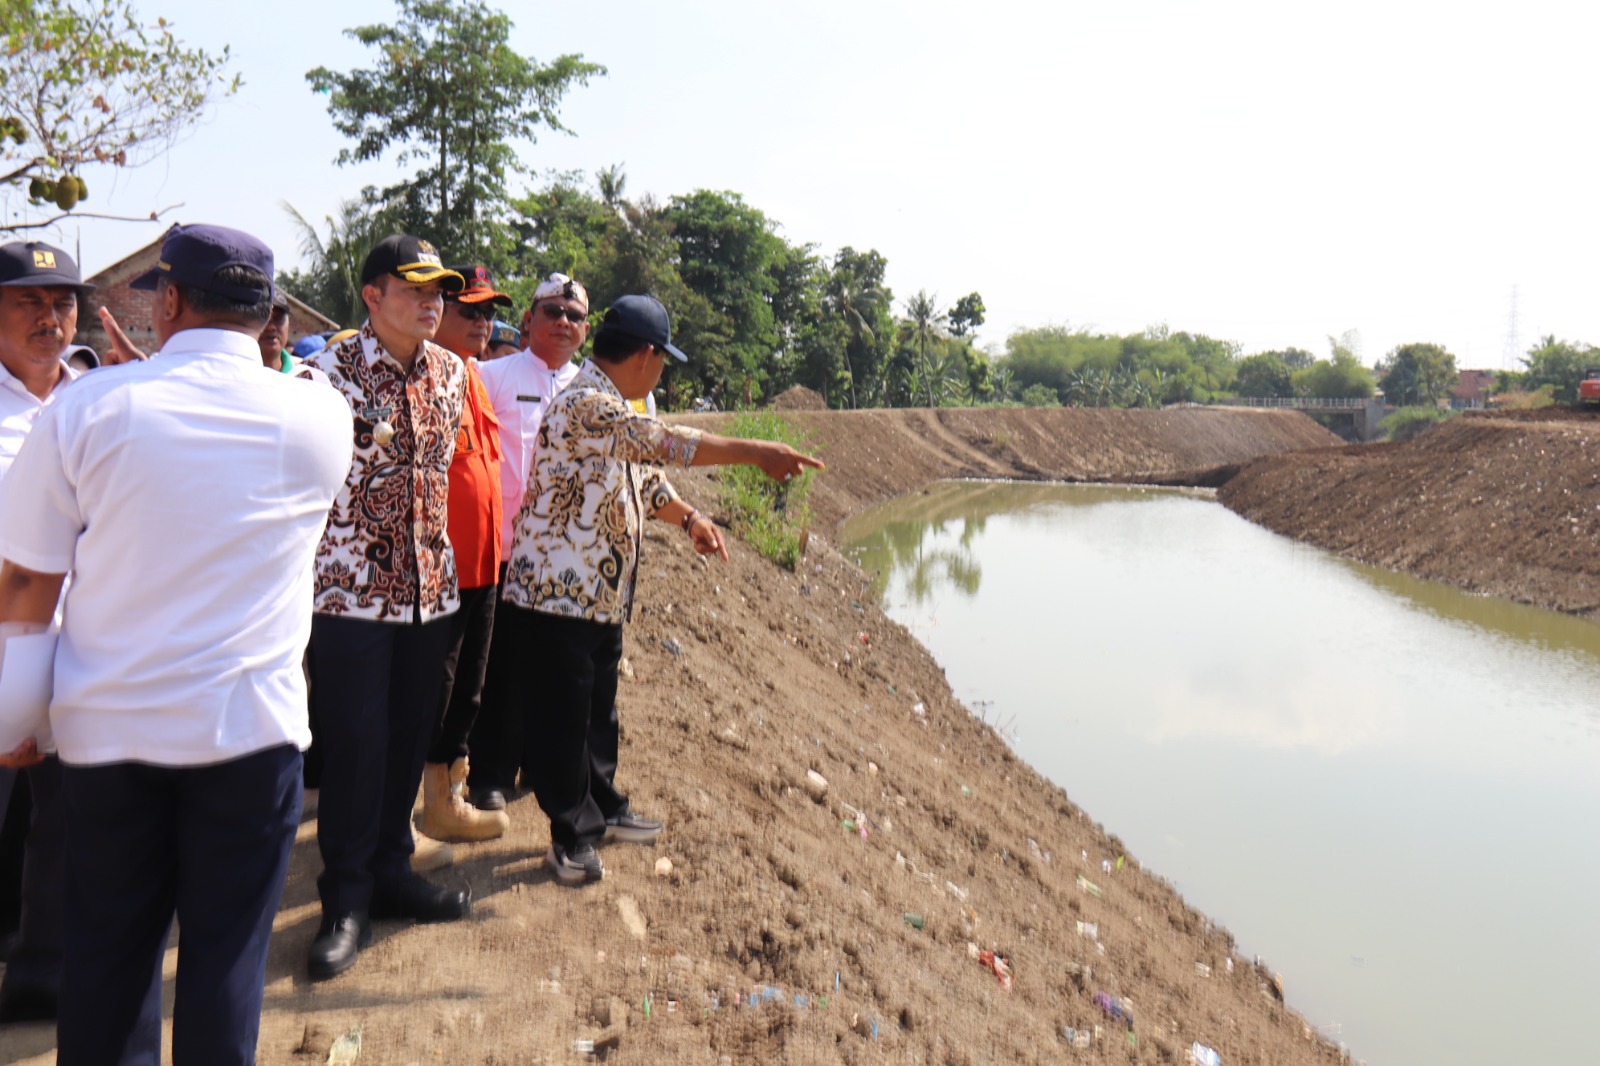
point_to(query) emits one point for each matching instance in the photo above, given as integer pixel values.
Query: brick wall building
(131, 307)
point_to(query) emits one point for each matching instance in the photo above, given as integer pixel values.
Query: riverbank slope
(1503, 504)
(852, 910)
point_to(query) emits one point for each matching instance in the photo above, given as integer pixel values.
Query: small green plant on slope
(1409, 422)
(768, 515)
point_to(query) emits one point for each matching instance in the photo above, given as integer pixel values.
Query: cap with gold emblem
(409, 259)
(37, 263)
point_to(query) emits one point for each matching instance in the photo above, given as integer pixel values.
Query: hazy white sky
(1264, 172)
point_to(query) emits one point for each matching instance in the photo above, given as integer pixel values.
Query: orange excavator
(1589, 387)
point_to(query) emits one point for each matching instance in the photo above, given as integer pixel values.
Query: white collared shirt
(521, 387)
(20, 409)
(186, 495)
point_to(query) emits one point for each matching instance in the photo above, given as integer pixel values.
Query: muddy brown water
(1384, 787)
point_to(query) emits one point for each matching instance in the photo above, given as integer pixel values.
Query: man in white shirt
(186, 495)
(521, 387)
(40, 290)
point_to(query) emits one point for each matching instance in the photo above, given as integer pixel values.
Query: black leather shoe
(419, 901)
(339, 940)
(489, 799)
(26, 1003)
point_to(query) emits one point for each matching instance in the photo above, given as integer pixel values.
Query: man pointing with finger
(574, 560)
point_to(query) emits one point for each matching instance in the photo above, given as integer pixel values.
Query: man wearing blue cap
(185, 493)
(40, 294)
(574, 558)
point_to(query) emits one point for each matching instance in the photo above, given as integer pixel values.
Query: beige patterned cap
(559, 285)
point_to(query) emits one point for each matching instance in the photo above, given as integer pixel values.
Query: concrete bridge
(1363, 414)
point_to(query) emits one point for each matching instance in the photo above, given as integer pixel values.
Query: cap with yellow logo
(410, 259)
(37, 263)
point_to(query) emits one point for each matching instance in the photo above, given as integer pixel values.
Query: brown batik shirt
(575, 543)
(385, 555)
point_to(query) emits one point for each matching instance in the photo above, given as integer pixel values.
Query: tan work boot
(446, 814)
(428, 854)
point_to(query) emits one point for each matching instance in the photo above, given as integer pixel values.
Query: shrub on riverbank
(1409, 422)
(768, 515)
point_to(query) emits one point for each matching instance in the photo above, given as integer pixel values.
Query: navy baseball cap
(36, 263)
(192, 255)
(643, 318)
(504, 333)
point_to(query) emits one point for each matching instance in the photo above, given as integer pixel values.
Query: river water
(1386, 788)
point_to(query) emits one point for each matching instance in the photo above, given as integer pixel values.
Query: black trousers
(564, 682)
(209, 844)
(465, 663)
(36, 961)
(496, 737)
(375, 686)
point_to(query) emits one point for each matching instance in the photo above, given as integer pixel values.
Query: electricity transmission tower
(1513, 349)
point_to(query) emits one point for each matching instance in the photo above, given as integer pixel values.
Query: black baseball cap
(192, 255)
(642, 318)
(36, 263)
(409, 259)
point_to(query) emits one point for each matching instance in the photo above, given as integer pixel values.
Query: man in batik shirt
(574, 559)
(385, 586)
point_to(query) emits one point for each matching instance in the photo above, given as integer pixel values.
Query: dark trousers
(35, 962)
(209, 844)
(376, 691)
(465, 662)
(496, 738)
(564, 679)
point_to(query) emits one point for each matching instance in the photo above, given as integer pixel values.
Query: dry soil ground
(803, 924)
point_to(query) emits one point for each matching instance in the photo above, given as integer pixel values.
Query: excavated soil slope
(1504, 505)
(800, 923)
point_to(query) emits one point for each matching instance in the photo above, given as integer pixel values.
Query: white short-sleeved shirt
(20, 409)
(520, 388)
(186, 495)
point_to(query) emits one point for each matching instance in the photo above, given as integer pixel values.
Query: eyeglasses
(483, 312)
(571, 314)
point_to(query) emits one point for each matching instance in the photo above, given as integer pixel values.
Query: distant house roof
(1473, 385)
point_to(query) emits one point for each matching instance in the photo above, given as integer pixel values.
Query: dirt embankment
(797, 923)
(1504, 505)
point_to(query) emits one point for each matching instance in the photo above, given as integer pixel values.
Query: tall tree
(1416, 374)
(966, 315)
(451, 94)
(857, 297)
(1263, 375)
(1559, 364)
(85, 82)
(925, 325)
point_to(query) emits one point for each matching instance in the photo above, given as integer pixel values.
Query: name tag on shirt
(530, 399)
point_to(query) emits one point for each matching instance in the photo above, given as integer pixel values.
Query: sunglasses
(483, 312)
(555, 311)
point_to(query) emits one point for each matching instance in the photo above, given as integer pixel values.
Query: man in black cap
(385, 587)
(40, 291)
(573, 560)
(185, 494)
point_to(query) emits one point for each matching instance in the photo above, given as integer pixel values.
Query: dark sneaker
(578, 866)
(631, 828)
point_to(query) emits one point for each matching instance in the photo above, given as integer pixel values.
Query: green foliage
(966, 315)
(925, 324)
(1263, 375)
(1408, 422)
(1416, 374)
(85, 82)
(1145, 369)
(331, 279)
(1342, 377)
(1558, 364)
(1039, 396)
(771, 516)
(449, 92)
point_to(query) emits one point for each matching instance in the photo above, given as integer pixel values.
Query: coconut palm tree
(925, 323)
